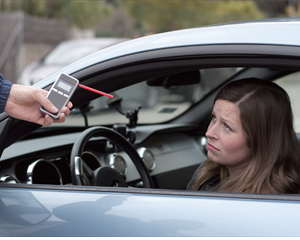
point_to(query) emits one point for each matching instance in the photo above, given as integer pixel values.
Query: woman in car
(252, 146)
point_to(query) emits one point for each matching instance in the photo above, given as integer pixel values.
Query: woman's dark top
(207, 186)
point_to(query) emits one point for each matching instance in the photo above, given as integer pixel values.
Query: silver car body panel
(50, 212)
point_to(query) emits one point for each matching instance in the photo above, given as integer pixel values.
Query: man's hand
(24, 103)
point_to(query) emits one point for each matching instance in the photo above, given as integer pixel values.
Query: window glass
(158, 104)
(291, 84)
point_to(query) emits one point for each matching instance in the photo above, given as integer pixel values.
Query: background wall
(25, 38)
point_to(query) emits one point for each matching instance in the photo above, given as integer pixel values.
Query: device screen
(63, 85)
(60, 93)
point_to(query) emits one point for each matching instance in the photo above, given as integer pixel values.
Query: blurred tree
(87, 14)
(279, 8)
(161, 16)
(118, 24)
(293, 9)
(139, 17)
(83, 14)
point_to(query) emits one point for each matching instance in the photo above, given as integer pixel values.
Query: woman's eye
(213, 117)
(226, 126)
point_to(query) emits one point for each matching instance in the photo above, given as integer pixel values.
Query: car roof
(103, 41)
(280, 31)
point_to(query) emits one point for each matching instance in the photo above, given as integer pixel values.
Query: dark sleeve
(5, 87)
(193, 179)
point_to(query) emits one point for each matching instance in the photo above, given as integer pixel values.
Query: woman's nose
(211, 131)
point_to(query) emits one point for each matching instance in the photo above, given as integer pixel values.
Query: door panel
(45, 212)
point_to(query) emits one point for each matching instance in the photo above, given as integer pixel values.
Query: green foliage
(83, 14)
(140, 17)
(161, 16)
(89, 13)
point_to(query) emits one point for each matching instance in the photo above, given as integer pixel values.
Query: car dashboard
(171, 154)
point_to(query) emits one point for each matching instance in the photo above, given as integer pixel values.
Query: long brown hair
(267, 119)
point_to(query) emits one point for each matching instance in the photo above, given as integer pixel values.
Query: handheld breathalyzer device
(60, 93)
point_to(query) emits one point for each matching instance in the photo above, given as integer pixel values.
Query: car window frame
(188, 58)
(161, 62)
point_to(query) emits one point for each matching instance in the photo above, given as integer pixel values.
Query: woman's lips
(211, 147)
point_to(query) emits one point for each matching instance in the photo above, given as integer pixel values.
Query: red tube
(95, 91)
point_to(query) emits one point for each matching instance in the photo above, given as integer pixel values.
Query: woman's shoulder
(194, 178)
(210, 184)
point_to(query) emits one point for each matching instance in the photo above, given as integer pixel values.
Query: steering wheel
(82, 174)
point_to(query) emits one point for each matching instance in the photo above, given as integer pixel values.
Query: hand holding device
(60, 93)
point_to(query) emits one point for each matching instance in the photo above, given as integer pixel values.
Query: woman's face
(227, 140)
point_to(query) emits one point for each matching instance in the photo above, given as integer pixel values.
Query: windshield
(158, 104)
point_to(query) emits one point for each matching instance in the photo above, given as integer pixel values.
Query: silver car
(121, 168)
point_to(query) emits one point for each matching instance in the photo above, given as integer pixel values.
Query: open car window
(291, 84)
(157, 103)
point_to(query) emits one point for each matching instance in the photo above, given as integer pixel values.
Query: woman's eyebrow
(230, 121)
(227, 120)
